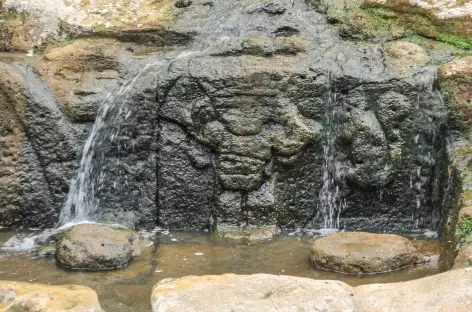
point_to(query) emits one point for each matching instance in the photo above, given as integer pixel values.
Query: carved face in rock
(246, 109)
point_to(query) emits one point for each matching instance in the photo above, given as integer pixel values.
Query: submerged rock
(98, 247)
(27, 297)
(448, 291)
(360, 252)
(245, 235)
(255, 293)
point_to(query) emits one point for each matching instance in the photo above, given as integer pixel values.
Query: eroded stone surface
(37, 24)
(258, 293)
(359, 252)
(38, 149)
(29, 297)
(464, 256)
(455, 79)
(238, 129)
(403, 56)
(259, 114)
(448, 291)
(95, 247)
(82, 75)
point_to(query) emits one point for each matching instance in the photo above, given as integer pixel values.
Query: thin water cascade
(428, 161)
(81, 200)
(331, 202)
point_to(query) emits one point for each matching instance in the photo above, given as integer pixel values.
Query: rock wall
(267, 117)
(38, 150)
(256, 107)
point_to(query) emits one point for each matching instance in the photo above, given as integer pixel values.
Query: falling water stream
(331, 202)
(81, 201)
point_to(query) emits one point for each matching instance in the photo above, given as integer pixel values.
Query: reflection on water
(179, 254)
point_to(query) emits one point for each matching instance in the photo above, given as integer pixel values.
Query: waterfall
(82, 202)
(331, 203)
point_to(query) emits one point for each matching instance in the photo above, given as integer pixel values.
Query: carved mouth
(239, 172)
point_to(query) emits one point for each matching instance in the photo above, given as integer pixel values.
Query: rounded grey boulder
(98, 247)
(360, 252)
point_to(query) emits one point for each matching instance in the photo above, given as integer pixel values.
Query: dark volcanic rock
(38, 149)
(273, 119)
(183, 3)
(264, 110)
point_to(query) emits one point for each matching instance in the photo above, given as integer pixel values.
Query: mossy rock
(455, 80)
(389, 20)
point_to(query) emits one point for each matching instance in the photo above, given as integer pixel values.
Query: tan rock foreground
(450, 291)
(446, 292)
(27, 297)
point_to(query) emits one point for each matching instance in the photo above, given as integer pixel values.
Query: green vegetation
(457, 41)
(71, 305)
(465, 227)
(335, 15)
(379, 23)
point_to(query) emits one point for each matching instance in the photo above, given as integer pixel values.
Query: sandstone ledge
(27, 297)
(450, 291)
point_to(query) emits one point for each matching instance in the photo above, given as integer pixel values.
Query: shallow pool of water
(177, 254)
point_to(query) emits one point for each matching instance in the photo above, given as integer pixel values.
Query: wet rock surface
(38, 148)
(245, 235)
(98, 247)
(359, 252)
(233, 131)
(257, 107)
(260, 292)
(30, 297)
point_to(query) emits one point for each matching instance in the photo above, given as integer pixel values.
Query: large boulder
(255, 293)
(96, 247)
(38, 24)
(450, 291)
(360, 252)
(28, 297)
